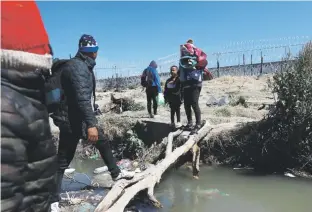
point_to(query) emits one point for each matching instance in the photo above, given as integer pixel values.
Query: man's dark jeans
(68, 142)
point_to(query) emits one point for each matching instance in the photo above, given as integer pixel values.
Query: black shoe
(173, 126)
(151, 115)
(197, 127)
(189, 126)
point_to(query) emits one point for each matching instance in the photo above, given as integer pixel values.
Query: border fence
(235, 59)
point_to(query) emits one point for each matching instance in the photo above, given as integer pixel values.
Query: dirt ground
(253, 89)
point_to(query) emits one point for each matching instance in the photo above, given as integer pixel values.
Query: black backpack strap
(94, 87)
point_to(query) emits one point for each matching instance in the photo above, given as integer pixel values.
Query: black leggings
(191, 97)
(151, 95)
(175, 109)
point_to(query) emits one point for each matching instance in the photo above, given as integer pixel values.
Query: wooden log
(158, 149)
(116, 200)
(148, 158)
(171, 136)
(195, 161)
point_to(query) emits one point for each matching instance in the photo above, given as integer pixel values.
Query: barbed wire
(235, 53)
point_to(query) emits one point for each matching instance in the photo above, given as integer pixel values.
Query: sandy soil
(254, 90)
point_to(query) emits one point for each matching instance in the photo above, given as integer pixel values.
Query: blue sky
(134, 33)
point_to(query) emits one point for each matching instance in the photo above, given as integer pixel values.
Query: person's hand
(93, 134)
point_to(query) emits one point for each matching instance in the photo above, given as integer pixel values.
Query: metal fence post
(244, 64)
(251, 66)
(218, 68)
(261, 64)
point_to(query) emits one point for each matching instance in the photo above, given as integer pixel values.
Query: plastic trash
(223, 101)
(160, 99)
(212, 101)
(124, 164)
(69, 171)
(96, 156)
(287, 174)
(100, 170)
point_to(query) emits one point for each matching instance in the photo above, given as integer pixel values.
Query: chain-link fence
(237, 59)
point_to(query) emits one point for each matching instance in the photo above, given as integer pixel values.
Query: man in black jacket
(28, 154)
(78, 83)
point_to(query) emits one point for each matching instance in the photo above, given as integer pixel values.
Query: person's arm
(166, 91)
(81, 84)
(157, 80)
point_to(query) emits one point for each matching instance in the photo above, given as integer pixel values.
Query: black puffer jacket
(78, 83)
(28, 155)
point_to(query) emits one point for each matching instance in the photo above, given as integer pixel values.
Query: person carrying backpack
(78, 86)
(151, 81)
(192, 64)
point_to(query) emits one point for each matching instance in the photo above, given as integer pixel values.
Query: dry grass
(115, 126)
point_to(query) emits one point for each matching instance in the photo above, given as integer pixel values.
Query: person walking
(28, 153)
(78, 84)
(151, 81)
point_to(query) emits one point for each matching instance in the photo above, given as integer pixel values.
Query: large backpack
(53, 88)
(191, 56)
(147, 78)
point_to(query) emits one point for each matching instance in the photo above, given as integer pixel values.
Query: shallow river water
(225, 190)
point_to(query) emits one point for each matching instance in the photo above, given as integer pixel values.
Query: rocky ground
(231, 90)
(223, 100)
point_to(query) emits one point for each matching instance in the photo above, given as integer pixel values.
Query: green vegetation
(283, 139)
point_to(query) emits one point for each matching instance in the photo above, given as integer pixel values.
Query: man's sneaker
(178, 125)
(172, 125)
(55, 207)
(151, 115)
(124, 175)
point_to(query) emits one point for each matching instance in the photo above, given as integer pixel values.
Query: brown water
(237, 191)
